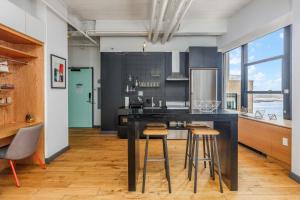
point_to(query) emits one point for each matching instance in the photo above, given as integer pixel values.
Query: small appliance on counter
(136, 103)
(126, 102)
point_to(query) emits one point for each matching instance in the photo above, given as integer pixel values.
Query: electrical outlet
(285, 141)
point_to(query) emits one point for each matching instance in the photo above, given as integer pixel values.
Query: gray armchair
(22, 146)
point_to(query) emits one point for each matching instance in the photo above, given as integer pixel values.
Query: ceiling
(141, 9)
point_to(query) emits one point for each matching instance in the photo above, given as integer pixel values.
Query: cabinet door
(111, 99)
(35, 28)
(280, 151)
(255, 135)
(12, 16)
(205, 57)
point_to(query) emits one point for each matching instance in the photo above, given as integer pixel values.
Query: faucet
(152, 102)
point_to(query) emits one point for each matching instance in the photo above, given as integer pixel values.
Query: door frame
(78, 68)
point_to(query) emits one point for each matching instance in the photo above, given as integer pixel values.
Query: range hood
(176, 75)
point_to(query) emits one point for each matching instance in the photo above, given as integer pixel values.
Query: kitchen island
(224, 121)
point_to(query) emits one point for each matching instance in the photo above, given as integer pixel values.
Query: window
(233, 89)
(257, 73)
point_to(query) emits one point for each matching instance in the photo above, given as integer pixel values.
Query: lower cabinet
(272, 140)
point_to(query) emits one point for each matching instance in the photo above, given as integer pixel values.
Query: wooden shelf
(5, 104)
(13, 53)
(6, 90)
(5, 73)
(12, 128)
(12, 36)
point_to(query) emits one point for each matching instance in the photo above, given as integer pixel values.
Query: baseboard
(54, 156)
(295, 177)
(109, 132)
(96, 126)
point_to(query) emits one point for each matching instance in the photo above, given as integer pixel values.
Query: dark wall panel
(111, 67)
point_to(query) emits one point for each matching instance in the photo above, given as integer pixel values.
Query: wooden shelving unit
(5, 104)
(25, 57)
(15, 37)
(6, 90)
(14, 53)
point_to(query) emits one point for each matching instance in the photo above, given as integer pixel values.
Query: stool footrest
(155, 159)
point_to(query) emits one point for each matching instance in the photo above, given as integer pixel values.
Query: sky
(266, 76)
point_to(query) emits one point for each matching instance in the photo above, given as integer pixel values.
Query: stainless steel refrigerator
(203, 85)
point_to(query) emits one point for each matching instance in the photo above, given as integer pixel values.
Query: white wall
(296, 93)
(81, 55)
(40, 22)
(56, 110)
(256, 19)
(120, 44)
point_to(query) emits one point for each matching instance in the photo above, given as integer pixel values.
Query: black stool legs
(166, 162)
(188, 149)
(167, 165)
(145, 163)
(212, 149)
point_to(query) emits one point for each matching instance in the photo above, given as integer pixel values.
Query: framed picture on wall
(58, 72)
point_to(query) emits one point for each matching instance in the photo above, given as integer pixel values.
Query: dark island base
(224, 121)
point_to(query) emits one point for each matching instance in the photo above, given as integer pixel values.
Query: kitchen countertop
(279, 122)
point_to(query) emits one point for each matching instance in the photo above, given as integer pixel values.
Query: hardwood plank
(96, 168)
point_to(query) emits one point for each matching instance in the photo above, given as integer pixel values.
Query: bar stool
(188, 150)
(211, 135)
(157, 131)
(156, 125)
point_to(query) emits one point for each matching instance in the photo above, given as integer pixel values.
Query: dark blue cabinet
(205, 57)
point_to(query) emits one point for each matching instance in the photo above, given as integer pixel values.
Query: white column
(296, 91)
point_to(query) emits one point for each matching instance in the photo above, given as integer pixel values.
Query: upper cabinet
(12, 16)
(35, 28)
(17, 19)
(205, 57)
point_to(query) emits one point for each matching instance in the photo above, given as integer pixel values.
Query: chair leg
(37, 157)
(196, 164)
(167, 162)
(219, 165)
(145, 163)
(208, 154)
(212, 151)
(204, 153)
(187, 148)
(165, 156)
(11, 163)
(192, 147)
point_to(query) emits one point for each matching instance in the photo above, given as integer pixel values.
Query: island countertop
(226, 122)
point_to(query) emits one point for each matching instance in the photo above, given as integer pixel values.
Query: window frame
(285, 73)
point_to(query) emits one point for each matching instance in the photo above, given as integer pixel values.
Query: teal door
(80, 97)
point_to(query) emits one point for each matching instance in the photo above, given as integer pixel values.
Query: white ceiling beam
(65, 16)
(186, 8)
(159, 22)
(152, 22)
(174, 20)
(141, 27)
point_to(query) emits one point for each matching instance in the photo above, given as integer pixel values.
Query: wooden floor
(96, 168)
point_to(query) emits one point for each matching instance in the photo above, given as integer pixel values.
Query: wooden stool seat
(157, 131)
(156, 124)
(205, 131)
(191, 126)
